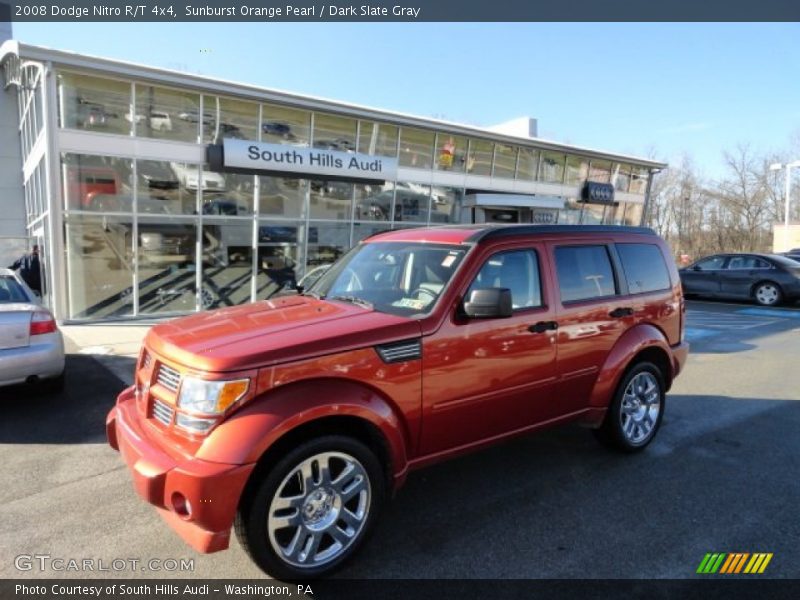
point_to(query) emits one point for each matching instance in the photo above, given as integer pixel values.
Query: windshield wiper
(353, 300)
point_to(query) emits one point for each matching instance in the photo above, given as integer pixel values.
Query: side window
(710, 264)
(584, 272)
(644, 267)
(517, 270)
(747, 262)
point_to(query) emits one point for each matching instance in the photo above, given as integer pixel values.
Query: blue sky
(635, 88)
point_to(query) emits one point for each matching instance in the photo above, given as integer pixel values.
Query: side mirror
(696, 268)
(489, 303)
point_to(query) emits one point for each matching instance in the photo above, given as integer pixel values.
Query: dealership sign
(313, 163)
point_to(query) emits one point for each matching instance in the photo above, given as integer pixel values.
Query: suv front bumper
(210, 491)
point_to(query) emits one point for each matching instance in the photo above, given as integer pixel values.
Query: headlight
(211, 397)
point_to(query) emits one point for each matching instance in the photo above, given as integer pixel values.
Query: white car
(31, 345)
(160, 121)
(188, 177)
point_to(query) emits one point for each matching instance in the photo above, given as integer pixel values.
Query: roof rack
(494, 231)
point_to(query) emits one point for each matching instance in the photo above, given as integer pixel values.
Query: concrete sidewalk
(115, 346)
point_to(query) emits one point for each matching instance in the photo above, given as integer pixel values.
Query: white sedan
(31, 346)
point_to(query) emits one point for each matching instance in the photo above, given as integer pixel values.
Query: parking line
(783, 313)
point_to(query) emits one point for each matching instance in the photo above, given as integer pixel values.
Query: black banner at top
(398, 10)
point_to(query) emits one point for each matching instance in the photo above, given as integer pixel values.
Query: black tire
(252, 518)
(772, 299)
(612, 433)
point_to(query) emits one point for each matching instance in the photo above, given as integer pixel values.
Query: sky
(647, 89)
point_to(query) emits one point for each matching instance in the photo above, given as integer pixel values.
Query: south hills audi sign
(256, 157)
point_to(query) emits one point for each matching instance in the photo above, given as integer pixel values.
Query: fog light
(181, 505)
(195, 424)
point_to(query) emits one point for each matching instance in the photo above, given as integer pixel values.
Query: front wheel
(635, 413)
(313, 509)
(767, 294)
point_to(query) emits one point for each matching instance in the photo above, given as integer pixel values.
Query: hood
(274, 331)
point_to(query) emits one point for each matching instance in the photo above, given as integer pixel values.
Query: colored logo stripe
(734, 562)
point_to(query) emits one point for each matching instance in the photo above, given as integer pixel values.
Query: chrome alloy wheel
(767, 294)
(641, 404)
(319, 510)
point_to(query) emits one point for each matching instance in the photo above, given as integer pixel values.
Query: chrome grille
(168, 378)
(162, 412)
(400, 352)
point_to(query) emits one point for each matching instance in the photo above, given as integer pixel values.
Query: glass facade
(146, 234)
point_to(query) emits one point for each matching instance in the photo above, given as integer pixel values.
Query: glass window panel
(279, 264)
(479, 160)
(99, 257)
(326, 243)
(527, 164)
(364, 230)
(446, 204)
(96, 183)
(593, 214)
(516, 270)
(615, 215)
(505, 161)
(633, 214)
(571, 213)
(411, 202)
(166, 262)
(584, 272)
(416, 148)
(621, 177)
(161, 191)
(166, 113)
(451, 152)
(229, 118)
(331, 200)
(378, 139)
(638, 181)
(551, 167)
(577, 170)
(332, 132)
(227, 259)
(285, 125)
(235, 201)
(283, 197)
(94, 104)
(374, 202)
(600, 171)
(644, 267)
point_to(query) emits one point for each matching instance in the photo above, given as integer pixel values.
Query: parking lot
(720, 477)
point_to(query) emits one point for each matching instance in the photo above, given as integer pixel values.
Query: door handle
(618, 313)
(543, 326)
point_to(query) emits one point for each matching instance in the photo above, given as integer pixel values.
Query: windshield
(399, 278)
(11, 291)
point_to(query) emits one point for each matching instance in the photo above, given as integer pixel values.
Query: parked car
(794, 254)
(298, 417)
(156, 175)
(160, 120)
(188, 177)
(87, 182)
(279, 129)
(91, 115)
(192, 116)
(31, 346)
(224, 206)
(767, 279)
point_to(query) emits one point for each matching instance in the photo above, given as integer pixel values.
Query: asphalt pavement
(720, 477)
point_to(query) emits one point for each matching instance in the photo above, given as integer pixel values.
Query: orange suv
(293, 419)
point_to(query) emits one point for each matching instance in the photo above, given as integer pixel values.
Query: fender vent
(400, 351)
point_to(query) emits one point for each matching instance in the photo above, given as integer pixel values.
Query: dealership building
(153, 192)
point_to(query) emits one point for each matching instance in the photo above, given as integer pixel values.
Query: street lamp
(787, 184)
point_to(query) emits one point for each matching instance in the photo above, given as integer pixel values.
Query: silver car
(31, 346)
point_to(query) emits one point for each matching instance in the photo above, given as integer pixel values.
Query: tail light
(42, 322)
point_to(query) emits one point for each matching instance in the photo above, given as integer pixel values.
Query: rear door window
(712, 263)
(644, 267)
(584, 272)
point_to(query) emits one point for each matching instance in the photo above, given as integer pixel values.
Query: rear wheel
(313, 509)
(767, 293)
(635, 413)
